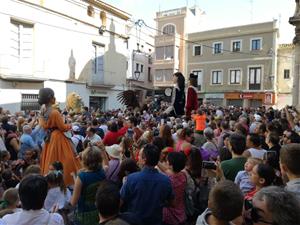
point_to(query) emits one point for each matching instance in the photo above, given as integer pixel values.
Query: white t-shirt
(32, 217)
(56, 198)
(104, 127)
(96, 138)
(257, 153)
(76, 138)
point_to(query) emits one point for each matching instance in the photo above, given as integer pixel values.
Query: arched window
(169, 29)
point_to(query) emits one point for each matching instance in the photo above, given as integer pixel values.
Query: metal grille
(30, 102)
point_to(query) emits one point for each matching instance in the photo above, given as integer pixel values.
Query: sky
(220, 13)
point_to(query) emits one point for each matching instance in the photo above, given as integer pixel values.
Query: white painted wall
(54, 37)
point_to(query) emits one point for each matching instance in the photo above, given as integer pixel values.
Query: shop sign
(214, 95)
(246, 96)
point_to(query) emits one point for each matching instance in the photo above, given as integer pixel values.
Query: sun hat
(114, 151)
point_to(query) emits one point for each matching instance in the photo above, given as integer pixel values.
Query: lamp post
(295, 21)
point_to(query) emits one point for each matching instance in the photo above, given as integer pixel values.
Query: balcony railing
(254, 86)
(172, 12)
(164, 40)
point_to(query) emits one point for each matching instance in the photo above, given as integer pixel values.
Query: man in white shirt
(103, 125)
(33, 191)
(76, 136)
(91, 136)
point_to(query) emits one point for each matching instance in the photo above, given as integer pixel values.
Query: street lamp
(137, 75)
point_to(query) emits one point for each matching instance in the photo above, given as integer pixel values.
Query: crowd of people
(215, 165)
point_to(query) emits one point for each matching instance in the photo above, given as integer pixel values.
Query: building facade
(67, 45)
(140, 62)
(170, 46)
(285, 74)
(235, 65)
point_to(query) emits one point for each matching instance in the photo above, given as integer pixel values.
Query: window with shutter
(98, 63)
(199, 74)
(255, 78)
(235, 76)
(21, 47)
(169, 29)
(197, 50)
(217, 77)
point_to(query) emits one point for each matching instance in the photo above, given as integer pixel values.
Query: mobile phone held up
(210, 165)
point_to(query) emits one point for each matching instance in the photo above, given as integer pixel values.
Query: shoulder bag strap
(114, 170)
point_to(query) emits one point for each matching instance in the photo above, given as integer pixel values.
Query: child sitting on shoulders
(242, 179)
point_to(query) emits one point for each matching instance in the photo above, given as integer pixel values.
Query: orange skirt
(59, 148)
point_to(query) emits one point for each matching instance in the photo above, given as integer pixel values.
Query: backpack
(79, 147)
(196, 196)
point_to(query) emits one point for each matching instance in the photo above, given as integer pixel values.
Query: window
(256, 44)
(163, 75)
(216, 77)
(137, 67)
(30, 102)
(255, 78)
(149, 74)
(217, 47)
(235, 76)
(286, 74)
(169, 29)
(159, 53)
(199, 74)
(236, 46)
(98, 63)
(165, 52)
(197, 50)
(98, 58)
(97, 103)
(142, 68)
(21, 43)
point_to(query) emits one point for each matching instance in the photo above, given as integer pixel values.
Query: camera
(210, 165)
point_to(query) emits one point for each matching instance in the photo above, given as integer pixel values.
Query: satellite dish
(168, 92)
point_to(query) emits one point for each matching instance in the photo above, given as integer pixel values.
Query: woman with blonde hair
(86, 184)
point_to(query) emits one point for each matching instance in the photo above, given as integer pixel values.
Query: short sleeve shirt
(232, 167)
(145, 194)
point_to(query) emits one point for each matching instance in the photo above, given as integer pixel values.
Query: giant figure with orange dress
(58, 146)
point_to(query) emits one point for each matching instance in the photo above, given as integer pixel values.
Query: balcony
(254, 86)
(163, 40)
(163, 78)
(172, 12)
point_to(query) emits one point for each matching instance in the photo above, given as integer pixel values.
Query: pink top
(176, 215)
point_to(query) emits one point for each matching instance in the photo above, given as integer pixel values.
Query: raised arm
(56, 120)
